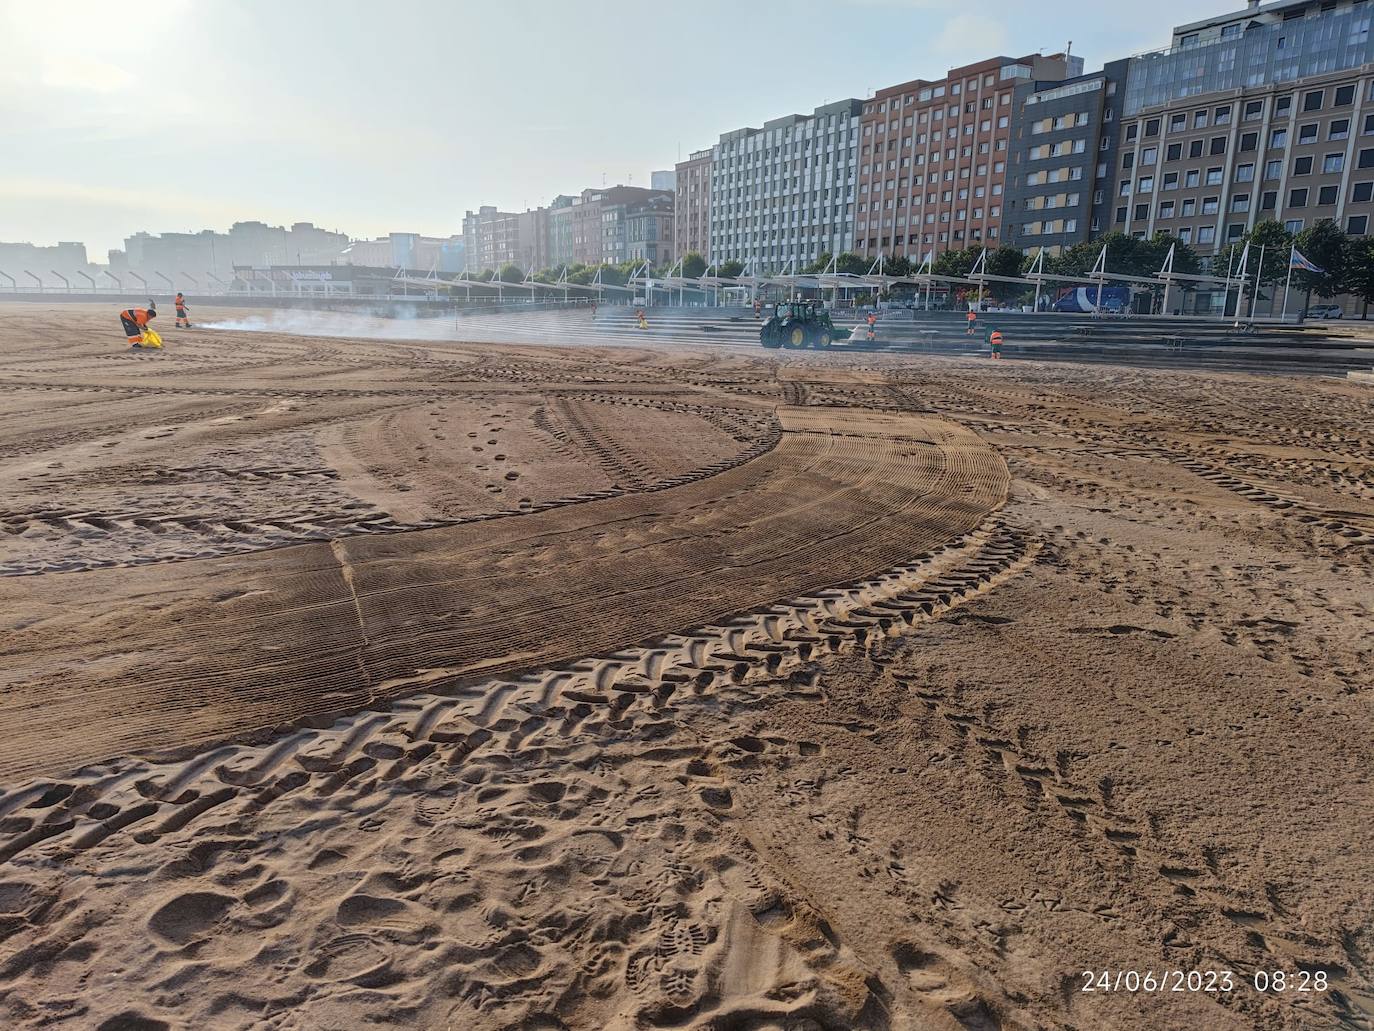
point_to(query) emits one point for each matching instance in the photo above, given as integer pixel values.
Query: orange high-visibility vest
(971, 316)
(996, 338)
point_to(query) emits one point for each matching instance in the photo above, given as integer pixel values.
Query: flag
(1297, 261)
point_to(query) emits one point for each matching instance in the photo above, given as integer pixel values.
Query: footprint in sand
(187, 917)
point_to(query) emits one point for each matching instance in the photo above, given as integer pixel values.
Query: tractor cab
(797, 324)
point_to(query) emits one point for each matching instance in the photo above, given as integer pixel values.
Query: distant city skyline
(164, 116)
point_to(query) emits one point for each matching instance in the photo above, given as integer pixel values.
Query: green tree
(1275, 240)
(511, 274)
(1004, 261)
(850, 263)
(897, 265)
(1324, 245)
(731, 269)
(1359, 270)
(956, 263)
(819, 264)
(693, 265)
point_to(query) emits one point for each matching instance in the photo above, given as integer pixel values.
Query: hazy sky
(169, 115)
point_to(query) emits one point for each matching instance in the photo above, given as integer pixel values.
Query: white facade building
(783, 195)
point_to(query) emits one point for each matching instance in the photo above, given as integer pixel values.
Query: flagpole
(1286, 283)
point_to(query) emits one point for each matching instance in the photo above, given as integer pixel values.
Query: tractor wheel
(823, 341)
(796, 336)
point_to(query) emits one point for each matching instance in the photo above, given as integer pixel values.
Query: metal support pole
(88, 278)
(35, 279)
(65, 281)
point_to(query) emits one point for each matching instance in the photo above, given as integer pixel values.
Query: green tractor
(798, 324)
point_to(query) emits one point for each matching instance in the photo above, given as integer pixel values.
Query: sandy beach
(349, 682)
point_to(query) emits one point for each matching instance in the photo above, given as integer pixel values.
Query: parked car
(1324, 311)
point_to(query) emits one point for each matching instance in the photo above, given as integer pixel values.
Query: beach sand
(352, 683)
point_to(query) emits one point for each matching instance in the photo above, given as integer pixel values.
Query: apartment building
(1063, 158)
(649, 230)
(932, 166)
(1264, 113)
(692, 221)
(783, 194)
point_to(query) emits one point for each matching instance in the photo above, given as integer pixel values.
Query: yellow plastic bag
(151, 339)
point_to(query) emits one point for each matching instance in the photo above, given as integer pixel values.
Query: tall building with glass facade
(783, 195)
(1263, 113)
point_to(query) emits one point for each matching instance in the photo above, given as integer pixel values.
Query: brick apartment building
(932, 165)
(692, 216)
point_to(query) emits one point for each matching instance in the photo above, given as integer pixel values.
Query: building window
(1312, 100)
(1214, 177)
(1185, 235)
(1191, 178)
(1166, 209)
(1254, 109)
(1273, 169)
(1189, 208)
(1233, 232)
(1195, 149)
(1152, 127)
(1199, 119)
(1146, 184)
(1174, 151)
(1362, 192)
(1178, 123)
(1293, 225)
(1142, 212)
(1170, 181)
(1357, 225)
(1221, 116)
(1240, 202)
(1245, 173)
(1366, 159)
(1209, 205)
(1307, 133)
(1345, 95)
(1206, 234)
(1269, 201)
(1249, 141)
(1297, 198)
(1339, 129)
(1278, 139)
(1333, 163)
(1283, 105)
(1149, 155)
(1121, 214)
(1302, 165)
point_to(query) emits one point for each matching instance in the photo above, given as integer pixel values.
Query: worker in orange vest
(995, 339)
(182, 320)
(135, 320)
(872, 326)
(643, 322)
(972, 322)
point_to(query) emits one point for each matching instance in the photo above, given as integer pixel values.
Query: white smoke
(404, 326)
